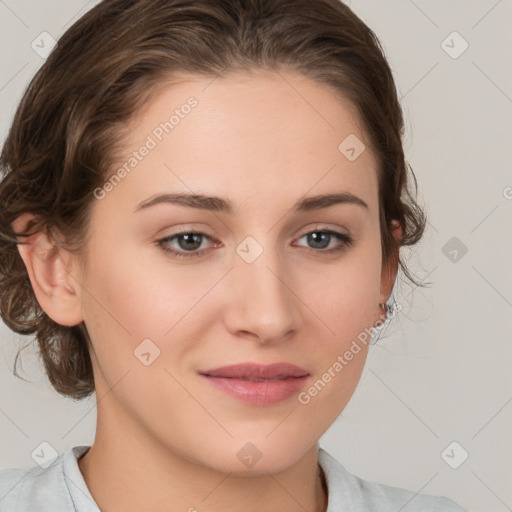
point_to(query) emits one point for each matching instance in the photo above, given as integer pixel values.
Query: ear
(48, 268)
(388, 274)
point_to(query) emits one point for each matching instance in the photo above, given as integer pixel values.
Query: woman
(204, 204)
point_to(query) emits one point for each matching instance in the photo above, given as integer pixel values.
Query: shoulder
(364, 496)
(35, 488)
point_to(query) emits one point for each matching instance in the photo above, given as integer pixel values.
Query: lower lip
(259, 393)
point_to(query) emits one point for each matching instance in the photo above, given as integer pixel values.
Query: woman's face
(258, 283)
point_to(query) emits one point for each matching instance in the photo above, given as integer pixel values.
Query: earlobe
(388, 275)
(390, 270)
(47, 268)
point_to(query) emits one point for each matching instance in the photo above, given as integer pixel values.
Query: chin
(253, 456)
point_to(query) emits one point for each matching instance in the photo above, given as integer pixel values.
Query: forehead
(246, 135)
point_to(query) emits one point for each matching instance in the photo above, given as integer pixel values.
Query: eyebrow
(217, 204)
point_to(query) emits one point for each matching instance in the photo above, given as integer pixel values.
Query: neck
(126, 469)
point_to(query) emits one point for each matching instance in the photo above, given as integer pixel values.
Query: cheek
(131, 296)
(346, 297)
(345, 301)
(140, 292)
(346, 313)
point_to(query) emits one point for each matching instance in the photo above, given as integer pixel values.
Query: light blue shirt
(61, 488)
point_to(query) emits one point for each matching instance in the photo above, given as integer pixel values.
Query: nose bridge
(262, 301)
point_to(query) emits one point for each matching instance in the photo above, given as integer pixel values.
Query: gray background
(442, 373)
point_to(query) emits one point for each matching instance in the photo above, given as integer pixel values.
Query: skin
(164, 436)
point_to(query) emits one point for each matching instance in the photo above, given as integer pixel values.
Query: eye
(321, 239)
(189, 242)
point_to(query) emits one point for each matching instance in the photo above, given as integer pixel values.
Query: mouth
(258, 384)
(257, 372)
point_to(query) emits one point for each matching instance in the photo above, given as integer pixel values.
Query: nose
(263, 304)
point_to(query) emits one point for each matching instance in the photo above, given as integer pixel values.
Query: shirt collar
(80, 494)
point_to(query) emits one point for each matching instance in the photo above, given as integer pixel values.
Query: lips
(256, 384)
(256, 372)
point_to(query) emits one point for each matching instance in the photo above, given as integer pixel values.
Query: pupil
(314, 238)
(193, 238)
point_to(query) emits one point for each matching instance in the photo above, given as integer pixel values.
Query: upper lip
(248, 371)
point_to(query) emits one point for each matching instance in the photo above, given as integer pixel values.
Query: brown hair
(67, 127)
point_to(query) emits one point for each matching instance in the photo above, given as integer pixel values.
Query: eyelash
(347, 241)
